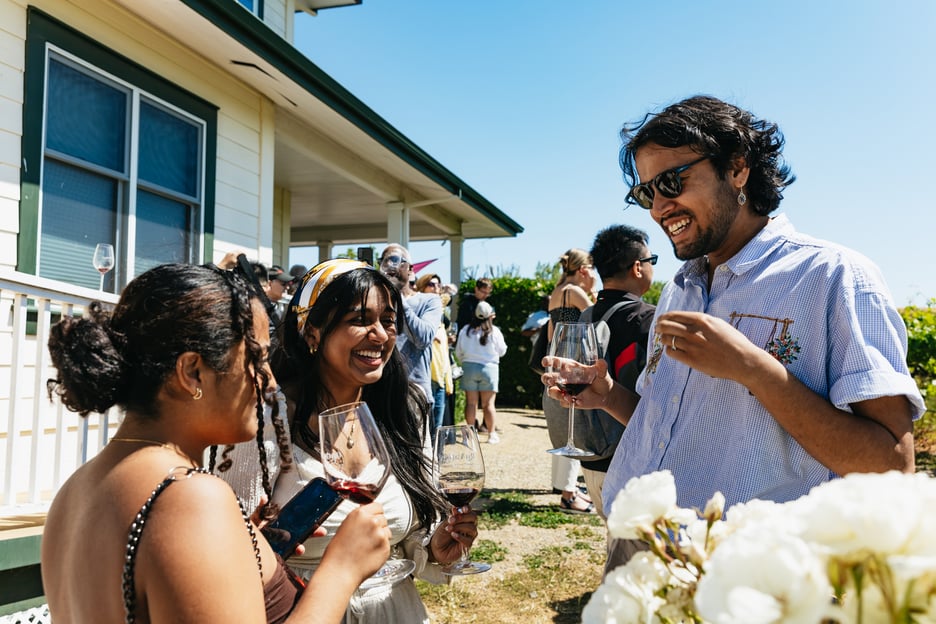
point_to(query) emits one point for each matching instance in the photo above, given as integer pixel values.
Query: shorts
(480, 377)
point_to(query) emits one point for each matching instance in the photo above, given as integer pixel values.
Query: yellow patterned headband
(316, 280)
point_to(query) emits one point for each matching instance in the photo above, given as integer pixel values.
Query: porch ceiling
(339, 160)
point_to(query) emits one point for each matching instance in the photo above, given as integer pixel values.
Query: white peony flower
(628, 594)
(863, 513)
(715, 507)
(755, 577)
(642, 502)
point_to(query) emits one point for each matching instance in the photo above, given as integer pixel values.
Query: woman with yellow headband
(337, 345)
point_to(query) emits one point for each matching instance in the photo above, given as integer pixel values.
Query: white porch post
(325, 250)
(456, 257)
(397, 223)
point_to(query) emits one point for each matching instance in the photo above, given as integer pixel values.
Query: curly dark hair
(723, 133)
(401, 422)
(125, 356)
(616, 248)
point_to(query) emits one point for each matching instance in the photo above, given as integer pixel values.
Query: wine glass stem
(101, 288)
(570, 443)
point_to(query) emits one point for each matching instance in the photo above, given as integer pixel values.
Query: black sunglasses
(651, 259)
(669, 183)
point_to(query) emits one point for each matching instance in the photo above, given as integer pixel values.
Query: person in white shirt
(479, 348)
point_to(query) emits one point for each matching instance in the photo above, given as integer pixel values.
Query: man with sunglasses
(422, 315)
(777, 361)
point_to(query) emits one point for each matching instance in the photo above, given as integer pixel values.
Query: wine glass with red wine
(356, 465)
(577, 347)
(458, 468)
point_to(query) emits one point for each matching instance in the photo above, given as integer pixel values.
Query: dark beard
(713, 237)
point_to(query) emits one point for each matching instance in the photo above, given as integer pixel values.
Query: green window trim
(43, 30)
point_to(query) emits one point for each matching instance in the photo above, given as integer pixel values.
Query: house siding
(240, 113)
(12, 62)
(241, 191)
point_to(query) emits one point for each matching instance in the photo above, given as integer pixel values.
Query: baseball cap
(277, 273)
(484, 310)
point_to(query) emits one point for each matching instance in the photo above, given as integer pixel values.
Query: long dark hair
(402, 422)
(485, 326)
(125, 356)
(722, 132)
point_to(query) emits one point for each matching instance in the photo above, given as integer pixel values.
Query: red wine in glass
(460, 496)
(572, 389)
(360, 493)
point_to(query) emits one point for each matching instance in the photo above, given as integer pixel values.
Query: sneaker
(493, 438)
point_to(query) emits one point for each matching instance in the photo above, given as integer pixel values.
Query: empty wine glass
(356, 465)
(103, 260)
(458, 469)
(577, 347)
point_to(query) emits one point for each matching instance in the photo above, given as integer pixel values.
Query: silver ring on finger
(673, 344)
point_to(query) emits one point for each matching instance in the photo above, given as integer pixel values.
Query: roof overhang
(340, 161)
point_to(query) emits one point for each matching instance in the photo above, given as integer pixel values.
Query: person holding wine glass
(574, 292)
(337, 346)
(184, 354)
(103, 260)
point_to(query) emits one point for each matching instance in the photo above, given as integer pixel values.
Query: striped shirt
(821, 309)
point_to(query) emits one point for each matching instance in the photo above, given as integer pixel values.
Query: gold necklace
(144, 441)
(172, 447)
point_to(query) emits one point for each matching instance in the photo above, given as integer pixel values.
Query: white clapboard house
(175, 130)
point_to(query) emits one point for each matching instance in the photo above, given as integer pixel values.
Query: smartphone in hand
(300, 516)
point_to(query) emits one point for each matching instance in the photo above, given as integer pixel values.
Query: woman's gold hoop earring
(312, 349)
(198, 394)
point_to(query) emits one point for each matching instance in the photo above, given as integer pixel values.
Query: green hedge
(514, 298)
(921, 349)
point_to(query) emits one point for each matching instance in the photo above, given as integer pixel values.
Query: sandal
(568, 506)
(582, 493)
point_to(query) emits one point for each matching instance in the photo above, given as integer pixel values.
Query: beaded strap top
(136, 532)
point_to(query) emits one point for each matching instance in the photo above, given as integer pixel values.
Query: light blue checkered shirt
(711, 433)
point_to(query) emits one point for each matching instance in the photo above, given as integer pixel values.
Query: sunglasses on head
(669, 183)
(394, 259)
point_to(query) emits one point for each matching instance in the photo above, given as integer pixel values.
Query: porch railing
(41, 443)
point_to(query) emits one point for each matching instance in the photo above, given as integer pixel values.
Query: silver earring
(742, 198)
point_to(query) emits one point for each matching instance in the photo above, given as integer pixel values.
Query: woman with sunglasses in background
(184, 354)
(338, 346)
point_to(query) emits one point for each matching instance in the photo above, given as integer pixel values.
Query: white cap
(484, 310)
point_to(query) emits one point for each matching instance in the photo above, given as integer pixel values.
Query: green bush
(921, 350)
(514, 298)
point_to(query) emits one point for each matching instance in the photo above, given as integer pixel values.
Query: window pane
(169, 148)
(162, 231)
(86, 117)
(247, 3)
(78, 212)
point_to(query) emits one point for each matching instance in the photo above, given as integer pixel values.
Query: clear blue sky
(523, 99)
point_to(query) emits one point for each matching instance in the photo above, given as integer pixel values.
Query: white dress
(244, 475)
(397, 604)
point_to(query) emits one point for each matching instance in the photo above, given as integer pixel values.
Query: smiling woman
(338, 346)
